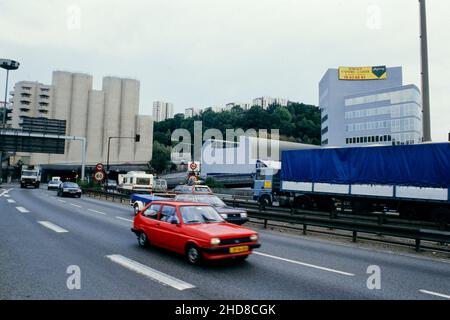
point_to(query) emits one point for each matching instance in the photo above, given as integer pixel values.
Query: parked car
(53, 184)
(69, 189)
(230, 214)
(184, 188)
(110, 185)
(195, 230)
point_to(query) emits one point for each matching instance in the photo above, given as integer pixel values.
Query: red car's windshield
(199, 214)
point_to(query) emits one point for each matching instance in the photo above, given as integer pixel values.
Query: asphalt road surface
(45, 241)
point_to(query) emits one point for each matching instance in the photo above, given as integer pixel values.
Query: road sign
(99, 167)
(99, 176)
(194, 166)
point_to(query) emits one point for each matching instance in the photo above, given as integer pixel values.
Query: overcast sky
(198, 53)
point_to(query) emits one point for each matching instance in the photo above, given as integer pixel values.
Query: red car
(194, 229)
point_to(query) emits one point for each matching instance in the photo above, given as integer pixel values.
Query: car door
(169, 229)
(150, 221)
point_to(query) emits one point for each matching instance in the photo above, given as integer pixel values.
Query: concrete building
(265, 102)
(31, 99)
(363, 112)
(191, 112)
(96, 115)
(162, 110)
(243, 105)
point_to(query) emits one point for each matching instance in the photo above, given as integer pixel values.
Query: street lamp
(136, 138)
(7, 64)
(426, 118)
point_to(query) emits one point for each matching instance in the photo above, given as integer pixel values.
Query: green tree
(160, 157)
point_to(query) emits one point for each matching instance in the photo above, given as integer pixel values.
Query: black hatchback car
(69, 189)
(230, 214)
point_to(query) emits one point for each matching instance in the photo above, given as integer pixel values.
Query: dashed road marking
(52, 226)
(5, 192)
(75, 205)
(435, 294)
(304, 264)
(153, 274)
(95, 211)
(11, 201)
(124, 219)
(61, 200)
(22, 209)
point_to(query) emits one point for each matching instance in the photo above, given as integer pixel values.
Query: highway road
(42, 238)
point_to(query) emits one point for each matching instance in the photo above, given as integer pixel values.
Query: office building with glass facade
(364, 112)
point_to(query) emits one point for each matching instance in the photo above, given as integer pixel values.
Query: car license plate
(239, 249)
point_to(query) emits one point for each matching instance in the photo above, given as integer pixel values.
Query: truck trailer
(413, 180)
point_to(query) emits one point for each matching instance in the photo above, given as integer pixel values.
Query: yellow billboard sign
(363, 73)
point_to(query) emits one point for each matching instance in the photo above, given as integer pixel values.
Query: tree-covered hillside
(297, 122)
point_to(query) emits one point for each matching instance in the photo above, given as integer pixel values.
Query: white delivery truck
(30, 176)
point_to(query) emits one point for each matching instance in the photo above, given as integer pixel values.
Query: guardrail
(381, 224)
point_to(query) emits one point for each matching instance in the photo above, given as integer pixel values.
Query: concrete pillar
(81, 85)
(94, 137)
(144, 148)
(129, 108)
(112, 87)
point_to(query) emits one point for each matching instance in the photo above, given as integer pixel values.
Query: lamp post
(426, 118)
(136, 138)
(6, 64)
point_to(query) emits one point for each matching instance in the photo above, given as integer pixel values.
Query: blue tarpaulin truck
(413, 180)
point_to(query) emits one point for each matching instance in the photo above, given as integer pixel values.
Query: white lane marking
(75, 205)
(52, 226)
(11, 201)
(95, 211)
(124, 219)
(153, 274)
(435, 294)
(6, 195)
(22, 209)
(61, 201)
(304, 264)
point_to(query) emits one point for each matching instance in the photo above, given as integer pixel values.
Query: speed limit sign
(99, 176)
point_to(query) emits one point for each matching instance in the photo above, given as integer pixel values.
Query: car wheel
(193, 255)
(142, 240)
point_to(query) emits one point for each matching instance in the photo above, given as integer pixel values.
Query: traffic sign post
(99, 176)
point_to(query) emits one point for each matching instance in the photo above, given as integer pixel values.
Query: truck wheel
(302, 202)
(408, 212)
(265, 201)
(441, 215)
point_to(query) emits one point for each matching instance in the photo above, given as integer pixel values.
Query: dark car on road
(69, 189)
(230, 214)
(184, 188)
